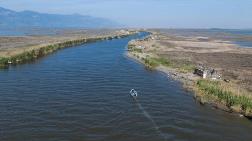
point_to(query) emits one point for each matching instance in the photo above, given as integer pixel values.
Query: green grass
(186, 67)
(162, 61)
(31, 55)
(137, 50)
(3, 62)
(132, 48)
(214, 88)
(153, 62)
(150, 62)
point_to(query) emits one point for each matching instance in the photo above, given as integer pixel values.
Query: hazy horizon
(225, 14)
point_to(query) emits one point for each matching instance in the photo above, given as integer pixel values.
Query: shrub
(214, 88)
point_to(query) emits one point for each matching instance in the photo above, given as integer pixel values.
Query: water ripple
(82, 93)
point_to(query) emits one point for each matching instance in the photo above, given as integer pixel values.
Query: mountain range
(10, 18)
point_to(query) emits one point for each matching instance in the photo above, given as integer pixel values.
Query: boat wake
(148, 116)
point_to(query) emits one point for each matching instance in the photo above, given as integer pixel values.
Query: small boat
(133, 93)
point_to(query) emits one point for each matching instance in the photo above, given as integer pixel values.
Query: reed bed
(39, 51)
(153, 62)
(226, 94)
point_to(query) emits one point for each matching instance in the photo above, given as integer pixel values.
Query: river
(82, 93)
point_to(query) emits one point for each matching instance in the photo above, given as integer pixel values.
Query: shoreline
(169, 72)
(190, 82)
(35, 52)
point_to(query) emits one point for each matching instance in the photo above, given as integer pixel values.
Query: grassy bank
(153, 62)
(35, 53)
(225, 94)
(132, 48)
(40, 51)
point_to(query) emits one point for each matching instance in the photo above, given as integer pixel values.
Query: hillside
(10, 18)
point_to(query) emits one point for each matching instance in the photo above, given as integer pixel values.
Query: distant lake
(244, 43)
(241, 43)
(82, 94)
(184, 32)
(224, 34)
(8, 31)
(238, 32)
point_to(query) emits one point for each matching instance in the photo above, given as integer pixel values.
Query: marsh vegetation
(226, 94)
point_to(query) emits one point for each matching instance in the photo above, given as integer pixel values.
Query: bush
(3, 61)
(213, 88)
(150, 62)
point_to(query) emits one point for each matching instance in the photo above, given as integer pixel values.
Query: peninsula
(216, 70)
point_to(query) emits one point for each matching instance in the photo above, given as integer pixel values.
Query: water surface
(236, 36)
(28, 31)
(82, 93)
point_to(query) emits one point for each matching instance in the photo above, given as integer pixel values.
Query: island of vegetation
(21, 49)
(216, 70)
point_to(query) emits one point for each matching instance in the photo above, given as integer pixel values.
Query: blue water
(241, 43)
(246, 44)
(238, 31)
(82, 94)
(10, 31)
(224, 34)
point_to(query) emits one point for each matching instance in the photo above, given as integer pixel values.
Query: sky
(234, 14)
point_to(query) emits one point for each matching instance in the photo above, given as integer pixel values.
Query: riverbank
(178, 58)
(82, 93)
(21, 49)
